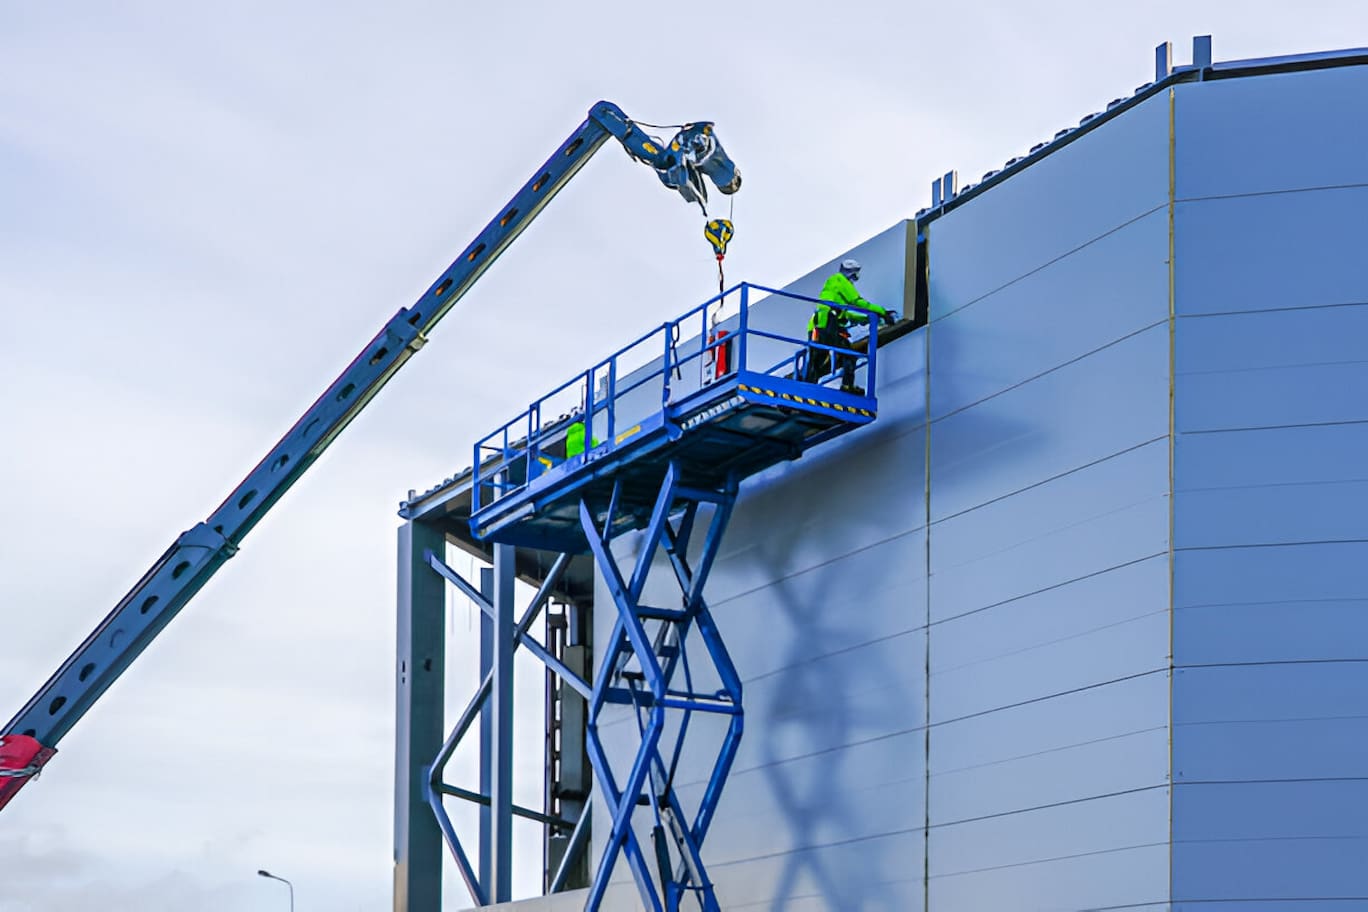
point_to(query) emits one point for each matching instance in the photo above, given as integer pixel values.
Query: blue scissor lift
(682, 425)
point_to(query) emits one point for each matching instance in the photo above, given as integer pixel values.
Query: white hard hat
(850, 266)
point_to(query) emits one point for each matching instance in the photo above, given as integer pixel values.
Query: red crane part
(21, 757)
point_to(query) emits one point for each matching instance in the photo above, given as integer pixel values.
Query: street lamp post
(282, 880)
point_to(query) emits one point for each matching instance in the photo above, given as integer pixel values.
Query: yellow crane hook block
(718, 232)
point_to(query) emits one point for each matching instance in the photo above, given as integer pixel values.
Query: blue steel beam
(500, 712)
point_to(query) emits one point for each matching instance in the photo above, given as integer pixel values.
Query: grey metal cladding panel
(1272, 631)
(1110, 401)
(1061, 748)
(829, 506)
(1253, 751)
(1281, 573)
(1272, 132)
(1101, 767)
(1267, 369)
(832, 707)
(1276, 397)
(1109, 851)
(1300, 249)
(902, 377)
(825, 515)
(1100, 824)
(1129, 879)
(1112, 512)
(1115, 286)
(835, 701)
(1306, 455)
(1272, 840)
(1127, 706)
(821, 673)
(871, 594)
(1271, 515)
(878, 873)
(1110, 599)
(1258, 693)
(1261, 340)
(1279, 874)
(1052, 559)
(1058, 204)
(870, 789)
(1107, 653)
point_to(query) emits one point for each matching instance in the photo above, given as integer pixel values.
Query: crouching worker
(575, 440)
(830, 325)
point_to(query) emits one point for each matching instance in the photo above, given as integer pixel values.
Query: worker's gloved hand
(890, 317)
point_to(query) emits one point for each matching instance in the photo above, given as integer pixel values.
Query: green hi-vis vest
(574, 440)
(840, 290)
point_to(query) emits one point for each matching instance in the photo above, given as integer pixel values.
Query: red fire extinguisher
(721, 365)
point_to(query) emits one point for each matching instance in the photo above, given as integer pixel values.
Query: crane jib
(31, 737)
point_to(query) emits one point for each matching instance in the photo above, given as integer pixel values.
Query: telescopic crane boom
(30, 738)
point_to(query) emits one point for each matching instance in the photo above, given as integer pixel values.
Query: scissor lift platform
(682, 424)
(720, 418)
(736, 427)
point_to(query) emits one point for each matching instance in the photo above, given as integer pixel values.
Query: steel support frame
(419, 694)
(678, 843)
(569, 778)
(489, 877)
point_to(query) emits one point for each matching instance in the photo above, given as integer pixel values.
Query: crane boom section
(194, 557)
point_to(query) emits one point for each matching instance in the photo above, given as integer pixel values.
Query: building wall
(1270, 700)
(991, 661)
(1039, 564)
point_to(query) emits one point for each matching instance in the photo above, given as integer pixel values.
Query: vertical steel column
(500, 711)
(484, 853)
(420, 650)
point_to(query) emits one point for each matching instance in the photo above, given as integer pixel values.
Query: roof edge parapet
(946, 192)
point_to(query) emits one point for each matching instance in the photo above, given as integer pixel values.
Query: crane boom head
(694, 153)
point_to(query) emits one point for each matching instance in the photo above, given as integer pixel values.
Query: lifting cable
(642, 123)
(718, 233)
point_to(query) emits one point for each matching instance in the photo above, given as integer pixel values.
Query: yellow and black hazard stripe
(804, 400)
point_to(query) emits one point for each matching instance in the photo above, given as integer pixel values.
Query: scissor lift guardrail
(730, 399)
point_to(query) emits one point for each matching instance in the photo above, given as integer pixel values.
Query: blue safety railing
(654, 372)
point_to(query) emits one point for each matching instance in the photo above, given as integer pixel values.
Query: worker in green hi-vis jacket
(830, 324)
(574, 440)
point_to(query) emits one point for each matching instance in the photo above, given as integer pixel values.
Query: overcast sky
(206, 209)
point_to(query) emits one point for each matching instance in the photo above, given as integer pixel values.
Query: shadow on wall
(813, 705)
